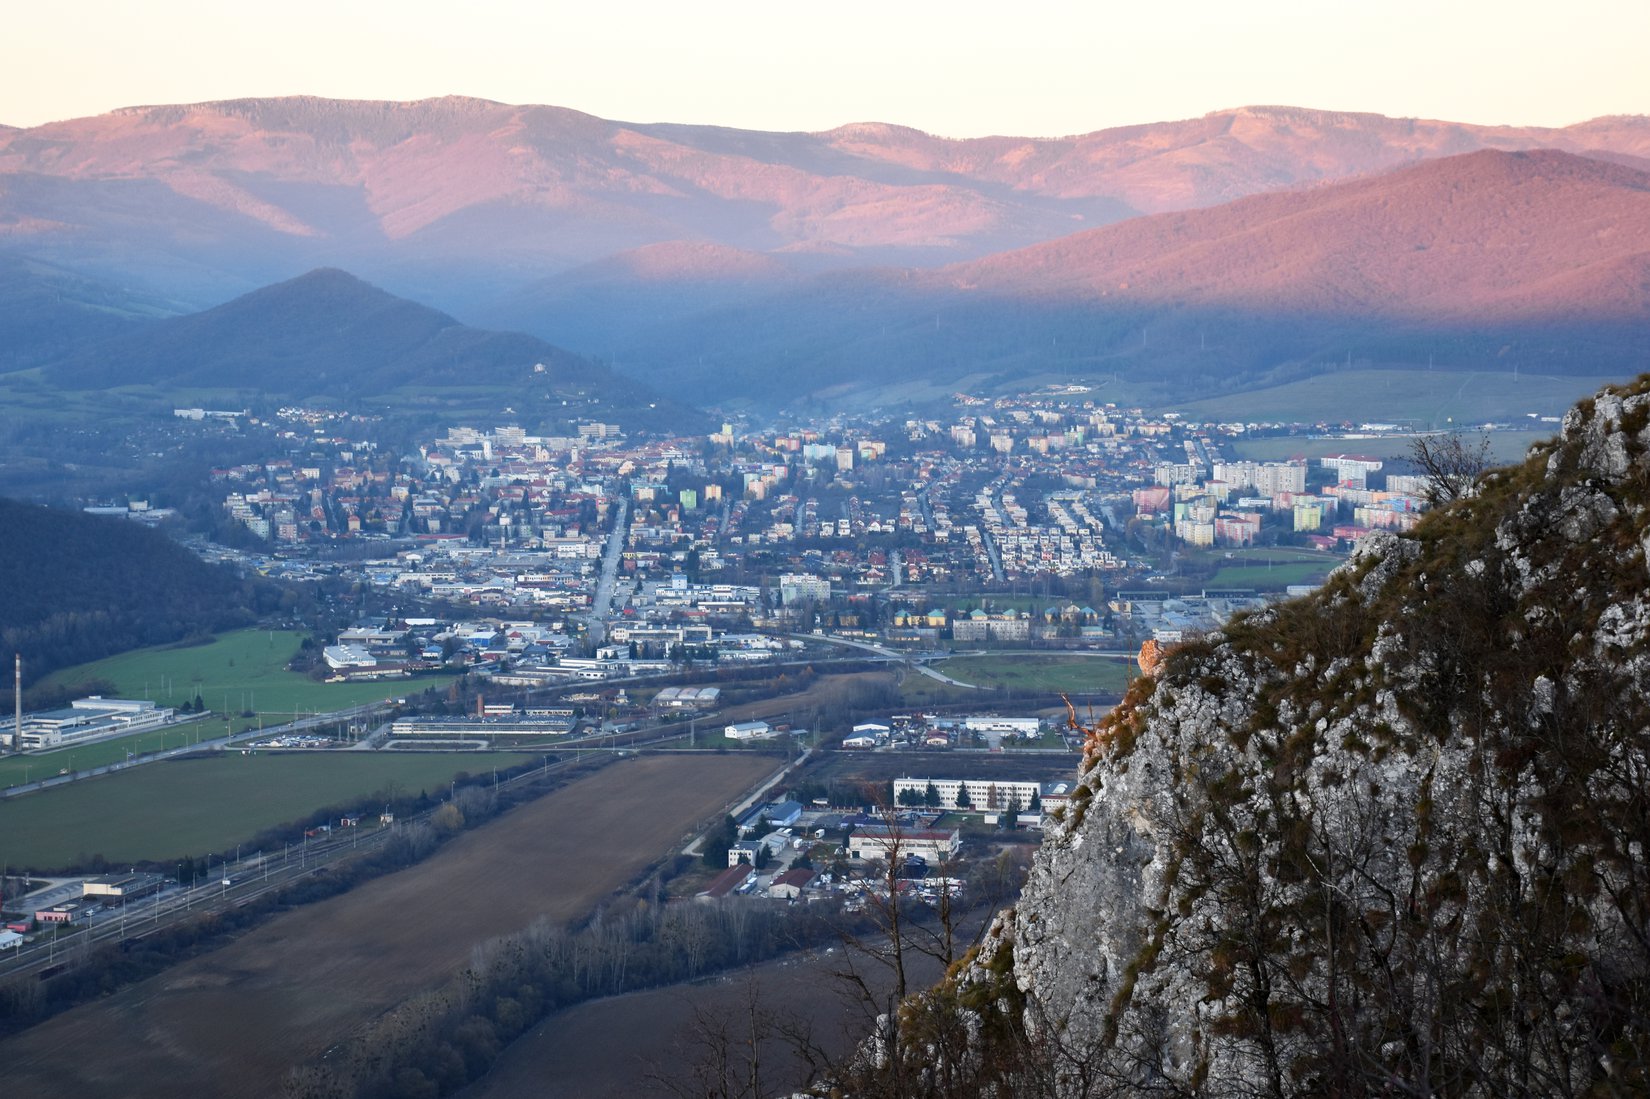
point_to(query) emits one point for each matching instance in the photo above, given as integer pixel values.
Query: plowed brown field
(231, 1023)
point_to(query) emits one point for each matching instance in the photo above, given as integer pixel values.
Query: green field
(1271, 577)
(1269, 568)
(1506, 447)
(16, 770)
(237, 672)
(1426, 398)
(196, 806)
(1064, 674)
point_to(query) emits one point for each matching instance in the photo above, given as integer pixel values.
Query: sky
(959, 68)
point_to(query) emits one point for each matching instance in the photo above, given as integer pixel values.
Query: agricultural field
(1063, 673)
(231, 1023)
(1428, 399)
(612, 1046)
(236, 673)
(1506, 447)
(194, 806)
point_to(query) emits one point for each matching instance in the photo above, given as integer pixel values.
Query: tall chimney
(17, 731)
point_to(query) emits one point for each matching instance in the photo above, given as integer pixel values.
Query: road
(596, 620)
(889, 654)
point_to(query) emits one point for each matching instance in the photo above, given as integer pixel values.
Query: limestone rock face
(1388, 839)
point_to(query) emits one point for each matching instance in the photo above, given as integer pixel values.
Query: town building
(984, 795)
(879, 841)
(725, 883)
(92, 718)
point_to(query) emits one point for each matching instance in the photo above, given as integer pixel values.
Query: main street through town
(595, 620)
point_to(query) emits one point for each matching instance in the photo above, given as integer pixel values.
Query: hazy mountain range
(701, 255)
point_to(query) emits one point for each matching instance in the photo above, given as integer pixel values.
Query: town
(1048, 517)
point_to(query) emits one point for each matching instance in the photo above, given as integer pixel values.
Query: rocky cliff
(1389, 839)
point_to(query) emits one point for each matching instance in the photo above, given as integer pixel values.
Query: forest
(77, 587)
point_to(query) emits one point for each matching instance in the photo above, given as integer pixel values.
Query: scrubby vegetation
(1390, 839)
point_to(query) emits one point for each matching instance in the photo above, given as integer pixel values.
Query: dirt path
(232, 1023)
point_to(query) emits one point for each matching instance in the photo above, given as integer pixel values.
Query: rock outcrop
(1388, 839)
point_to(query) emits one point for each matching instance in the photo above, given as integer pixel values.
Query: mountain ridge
(458, 199)
(1489, 258)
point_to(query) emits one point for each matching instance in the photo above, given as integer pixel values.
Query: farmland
(1425, 398)
(192, 806)
(232, 1022)
(1506, 447)
(610, 1046)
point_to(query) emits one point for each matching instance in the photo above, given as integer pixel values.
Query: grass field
(1273, 577)
(236, 672)
(1065, 674)
(16, 770)
(921, 692)
(1506, 447)
(194, 806)
(231, 1022)
(1426, 398)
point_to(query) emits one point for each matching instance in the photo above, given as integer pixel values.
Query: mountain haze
(45, 308)
(1485, 234)
(1533, 258)
(329, 335)
(463, 200)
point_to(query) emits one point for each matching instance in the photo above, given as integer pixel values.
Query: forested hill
(77, 587)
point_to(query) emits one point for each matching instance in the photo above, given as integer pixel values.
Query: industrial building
(878, 841)
(471, 728)
(93, 718)
(120, 888)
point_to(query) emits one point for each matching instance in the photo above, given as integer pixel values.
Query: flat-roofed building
(984, 794)
(120, 888)
(480, 727)
(879, 841)
(92, 718)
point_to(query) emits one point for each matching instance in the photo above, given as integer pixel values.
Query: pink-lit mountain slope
(466, 200)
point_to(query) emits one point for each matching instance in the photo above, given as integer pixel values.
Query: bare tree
(1450, 464)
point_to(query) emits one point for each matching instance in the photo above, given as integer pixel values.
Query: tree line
(76, 587)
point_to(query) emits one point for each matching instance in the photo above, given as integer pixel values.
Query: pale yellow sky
(960, 68)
